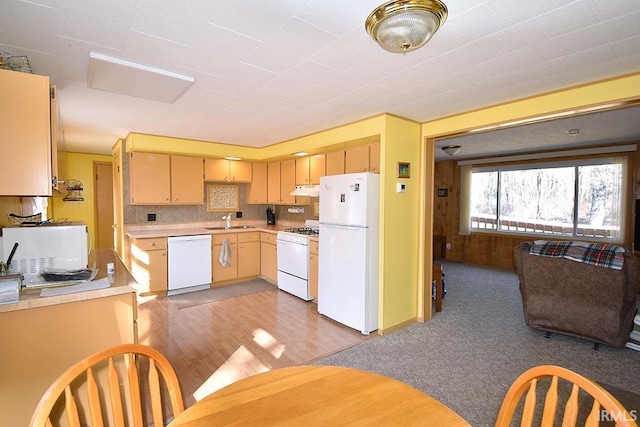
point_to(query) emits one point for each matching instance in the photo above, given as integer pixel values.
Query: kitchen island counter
(122, 283)
(43, 336)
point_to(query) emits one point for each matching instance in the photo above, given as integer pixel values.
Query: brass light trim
(401, 26)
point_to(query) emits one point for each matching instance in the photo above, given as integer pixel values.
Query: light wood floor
(215, 344)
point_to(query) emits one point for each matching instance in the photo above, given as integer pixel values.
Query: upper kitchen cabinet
(335, 162)
(309, 169)
(187, 185)
(281, 181)
(163, 179)
(362, 158)
(25, 123)
(257, 190)
(227, 170)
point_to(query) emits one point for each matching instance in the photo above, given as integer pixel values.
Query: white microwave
(62, 246)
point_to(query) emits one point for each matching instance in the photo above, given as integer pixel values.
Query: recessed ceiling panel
(128, 78)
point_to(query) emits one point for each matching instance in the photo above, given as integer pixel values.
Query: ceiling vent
(128, 78)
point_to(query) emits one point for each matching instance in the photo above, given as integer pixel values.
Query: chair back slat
(91, 373)
(604, 404)
(134, 391)
(154, 390)
(72, 409)
(117, 412)
(93, 398)
(529, 406)
(594, 415)
(571, 410)
(551, 403)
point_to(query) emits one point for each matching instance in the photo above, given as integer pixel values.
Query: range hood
(306, 190)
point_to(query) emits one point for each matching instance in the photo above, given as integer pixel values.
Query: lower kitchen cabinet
(268, 257)
(249, 254)
(149, 264)
(220, 273)
(314, 254)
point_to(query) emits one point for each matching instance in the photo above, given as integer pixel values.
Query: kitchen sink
(233, 227)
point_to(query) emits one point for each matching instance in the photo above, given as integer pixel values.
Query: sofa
(578, 295)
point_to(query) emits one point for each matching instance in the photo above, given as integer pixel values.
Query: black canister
(271, 217)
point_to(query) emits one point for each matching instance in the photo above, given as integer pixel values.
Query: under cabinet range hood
(306, 190)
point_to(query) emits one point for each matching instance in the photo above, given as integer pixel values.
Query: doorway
(103, 199)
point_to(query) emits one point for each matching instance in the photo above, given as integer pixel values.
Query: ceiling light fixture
(401, 26)
(452, 150)
(301, 153)
(573, 132)
(232, 158)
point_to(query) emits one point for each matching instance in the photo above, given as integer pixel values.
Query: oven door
(293, 269)
(293, 259)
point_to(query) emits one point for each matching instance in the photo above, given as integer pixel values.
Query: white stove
(293, 259)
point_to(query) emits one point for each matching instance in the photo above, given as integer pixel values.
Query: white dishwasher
(189, 263)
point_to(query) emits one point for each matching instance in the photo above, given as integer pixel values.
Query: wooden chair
(605, 406)
(63, 399)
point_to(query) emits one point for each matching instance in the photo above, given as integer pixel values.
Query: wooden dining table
(318, 395)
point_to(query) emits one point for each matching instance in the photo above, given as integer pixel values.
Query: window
(575, 199)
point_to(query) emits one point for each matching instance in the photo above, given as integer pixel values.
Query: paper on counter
(70, 289)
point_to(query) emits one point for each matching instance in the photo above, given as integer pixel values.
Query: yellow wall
(399, 218)
(622, 89)
(350, 133)
(79, 166)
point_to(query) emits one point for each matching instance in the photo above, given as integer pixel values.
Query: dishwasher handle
(189, 237)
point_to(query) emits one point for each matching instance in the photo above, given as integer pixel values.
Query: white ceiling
(271, 70)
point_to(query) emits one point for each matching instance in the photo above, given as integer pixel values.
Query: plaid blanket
(600, 254)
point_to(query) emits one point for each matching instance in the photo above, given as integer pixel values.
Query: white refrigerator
(348, 264)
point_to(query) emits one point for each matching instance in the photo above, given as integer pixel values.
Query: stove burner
(303, 230)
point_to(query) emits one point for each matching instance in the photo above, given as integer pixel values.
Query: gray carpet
(206, 296)
(468, 355)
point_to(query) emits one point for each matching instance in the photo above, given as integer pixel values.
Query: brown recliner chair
(574, 298)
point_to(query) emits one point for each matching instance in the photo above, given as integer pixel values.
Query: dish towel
(225, 253)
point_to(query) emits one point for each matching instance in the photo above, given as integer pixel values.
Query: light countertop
(122, 283)
(142, 231)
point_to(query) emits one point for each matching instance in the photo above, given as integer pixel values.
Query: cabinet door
(240, 171)
(187, 182)
(316, 168)
(356, 159)
(273, 182)
(220, 273)
(268, 262)
(374, 157)
(313, 270)
(158, 271)
(248, 259)
(257, 190)
(216, 169)
(335, 162)
(149, 264)
(302, 170)
(149, 179)
(26, 134)
(287, 181)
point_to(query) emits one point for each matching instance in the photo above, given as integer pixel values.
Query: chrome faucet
(228, 218)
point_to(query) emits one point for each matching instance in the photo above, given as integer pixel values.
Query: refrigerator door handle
(342, 226)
